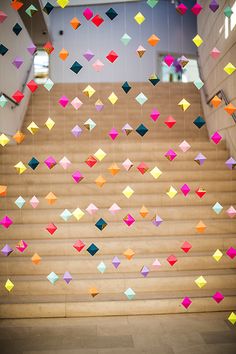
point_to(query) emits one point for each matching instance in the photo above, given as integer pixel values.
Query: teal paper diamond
(92, 249)
(65, 215)
(152, 3)
(3, 101)
(198, 83)
(217, 208)
(141, 98)
(228, 11)
(31, 10)
(130, 293)
(20, 202)
(125, 39)
(101, 267)
(52, 277)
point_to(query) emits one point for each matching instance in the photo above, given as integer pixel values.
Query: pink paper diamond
(216, 138)
(218, 297)
(63, 101)
(186, 302)
(169, 60)
(64, 162)
(156, 263)
(185, 189)
(127, 164)
(91, 209)
(215, 53)
(231, 212)
(113, 133)
(34, 202)
(155, 114)
(88, 13)
(114, 209)
(77, 176)
(231, 252)
(76, 103)
(129, 220)
(170, 155)
(184, 146)
(6, 222)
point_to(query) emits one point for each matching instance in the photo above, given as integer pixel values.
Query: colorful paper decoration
(125, 39)
(65, 215)
(228, 11)
(21, 246)
(129, 253)
(63, 54)
(130, 294)
(111, 13)
(48, 8)
(197, 40)
(3, 101)
(50, 162)
(77, 131)
(171, 192)
(88, 55)
(79, 245)
(48, 47)
(3, 191)
(49, 123)
(113, 133)
(20, 167)
(172, 260)
(89, 124)
(216, 138)
(181, 9)
(200, 282)
(127, 129)
(198, 84)
(170, 155)
(9, 285)
(156, 172)
(92, 249)
(88, 13)
(142, 130)
(99, 105)
(19, 137)
(100, 181)
(217, 255)
(100, 154)
(98, 65)
(218, 297)
(157, 220)
(184, 104)
(230, 109)
(31, 10)
(183, 61)
(169, 60)
(51, 228)
(231, 252)
(6, 250)
(114, 209)
(186, 246)
(65, 163)
(128, 220)
(127, 164)
(63, 3)
(116, 262)
(51, 198)
(196, 9)
(48, 84)
(78, 214)
(142, 168)
(113, 98)
(3, 16)
(143, 212)
(52, 277)
(213, 5)
(200, 159)
(20, 202)
(114, 169)
(93, 292)
(3, 49)
(101, 267)
(184, 146)
(91, 161)
(101, 224)
(75, 23)
(128, 192)
(170, 122)
(140, 51)
(232, 318)
(199, 122)
(63, 101)
(154, 79)
(18, 96)
(153, 40)
(216, 101)
(17, 62)
(34, 202)
(200, 227)
(215, 53)
(186, 302)
(32, 86)
(6, 222)
(112, 56)
(67, 277)
(17, 29)
(144, 271)
(155, 114)
(33, 128)
(229, 68)
(76, 67)
(231, 212)
(152, 3)
(97, 20)
(141, 98)
(32, 48)
(77, 176)
(217, 207)
(89, 91)
(16, 5)
(231, 163)
(4, 140)
(185, 189)
(139, 18)
(126, 87)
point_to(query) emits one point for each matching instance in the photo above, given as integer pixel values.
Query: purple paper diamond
(213, 5)
(200, 159)
(6, 250)
(231, 163)
(17, 62)
(67, 277)
(76, 131)
(32, 48)
(157, 220)
(116, 262)
(88, 55)
(144, 271)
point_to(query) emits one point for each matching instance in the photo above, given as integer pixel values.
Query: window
(41, 66)
(175, 73)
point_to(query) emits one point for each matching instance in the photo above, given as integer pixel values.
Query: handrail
(9, 98)
(222, 95)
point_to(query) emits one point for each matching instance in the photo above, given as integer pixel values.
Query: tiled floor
(164, 334)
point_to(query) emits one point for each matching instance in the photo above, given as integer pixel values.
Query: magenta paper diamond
(144, 271)
(200, 159)
(231, 163)
(218, 297)
(6, 250)
(113, 133)
(22, 245)
(31, 48)
(170, 155)
(186, 302)
(88, 55)
(231, 212)
(157, 220)
(196, 9)
(155, 114)
(67, 277)
(88, 13)
(76, 131)
(181, 8)
(116, 262)
(63, 101)
(185, 189)
(50, 162)
(6, 222)
(77, 176)
(18, 62)
(129, 220)
(231, 252)
(169, 60)
(216, 138)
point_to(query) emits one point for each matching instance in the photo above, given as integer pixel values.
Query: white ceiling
(86, 2)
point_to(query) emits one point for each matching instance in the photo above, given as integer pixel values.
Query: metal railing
(223, 97)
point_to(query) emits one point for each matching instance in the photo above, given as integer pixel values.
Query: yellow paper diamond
(139, 18)
(184, 104)
(89, 91)
(171, 192)
(232, 318)
(113, 98)
(20, 167)
(9, 285)
(63, 3)
(128, 191)
(49, 123)
(33, 128)
(201, 281)
(229, 68)
(217, 255)
(78, 214)
(4, 140)
(100, 154)
(197, 40)
(155, 172)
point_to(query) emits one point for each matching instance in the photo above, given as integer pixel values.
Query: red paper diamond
(112, 56)
(32, 86)
(18, 96)
(186, 246)
(91, 161)
(170, 122)
(200, 192)
(51, 228)
(142, 167)
(97, 20)
(48, 48)
(79, 245)
(171, 260)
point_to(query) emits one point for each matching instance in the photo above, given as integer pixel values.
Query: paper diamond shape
(88, 14)
(125, 39)
(97, 20)
(183, 61)
(76, 131)
(170, 155)
(114, 209)
(116, 262)
(89, 124)
(153, 40)
(49, 84)
(231, 212)
(88, 55)
(231, 252)
(170, 122)
(6, 250)
(140, 51)
(232, 318)
(142, 167)
(229, 68)
(21, 246)
(63, 54)
(215, 53)
(100, 154)
(230, 109)
(156, 172)
(65, 163)
(185, 189)
(51, 228)
(101, 267)
(63, 101)
(98, 65)
(3, 49)
(197, 40)
(36, 259)
(89, 91)
(79, 245)
(48, 47)
(50, 162)
(152, 3)
(34, 202)
(3, 16)
(100, 181)
(184, 104)
(126, 87)
(172, 260)
(181, 9)
(31, 10)
(196, 9)
(139, 18)
(20, 202)
(113, 133)
(128, 192)
(18, 96)
(4, 140)
(51, 198)
(171, 192)
(141, 98)
(144, 271)
(201, 282)
(143, 212)
(3, 191)
(20, 167)
(78, 214)
(216, 101)
(201, 227)
(99, 105)
(111, 13)
(198, 84)
(91, 161)
(217, 207)
(130, 294)
(169, 60)
(113, 169)
(216, 138)
(17, 62)
(142, 130)
(65, 215)
(129, 253)
(91, 209)
(200, 159)
(157, 220)
(101, 224)
(127, 164)
(113, 98)
(67, 277)
(75, 23)
(63, 3)
(186, 302)
(49, 123)
(19, 137)
(217, 255)
(228, 11)
(218, 297)
(3, 101)
(199, 122)
(184, 146)
(53, 277)
(6, 222)
(9, 285)
(76, 67)
(112, 56)
(128, 220)
(127, 129)
(32, 48)
(155, 114)
(92, 249)
(214, 5)
(77, 176)
(33, 128)
(186, 246)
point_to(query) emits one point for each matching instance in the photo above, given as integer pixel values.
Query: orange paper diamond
(75, 23)
(216, 101)
(230, 109)
(153, 40)
(201, 227)
(19, 137)
(129, 254)
(63, 54)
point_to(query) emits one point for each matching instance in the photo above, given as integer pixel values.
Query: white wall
(11, 78)
(107, 37)
(212, 29)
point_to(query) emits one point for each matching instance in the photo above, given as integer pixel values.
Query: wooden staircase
(163, 290)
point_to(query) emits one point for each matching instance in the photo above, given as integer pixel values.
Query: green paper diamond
(228, 11)
(52, 277)
(198, 83)
(101, 267)
(141, 98)
(152, 3)
(125, 39)
(129, 293)
(49, 84)
(31, 10)
(3, 101)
